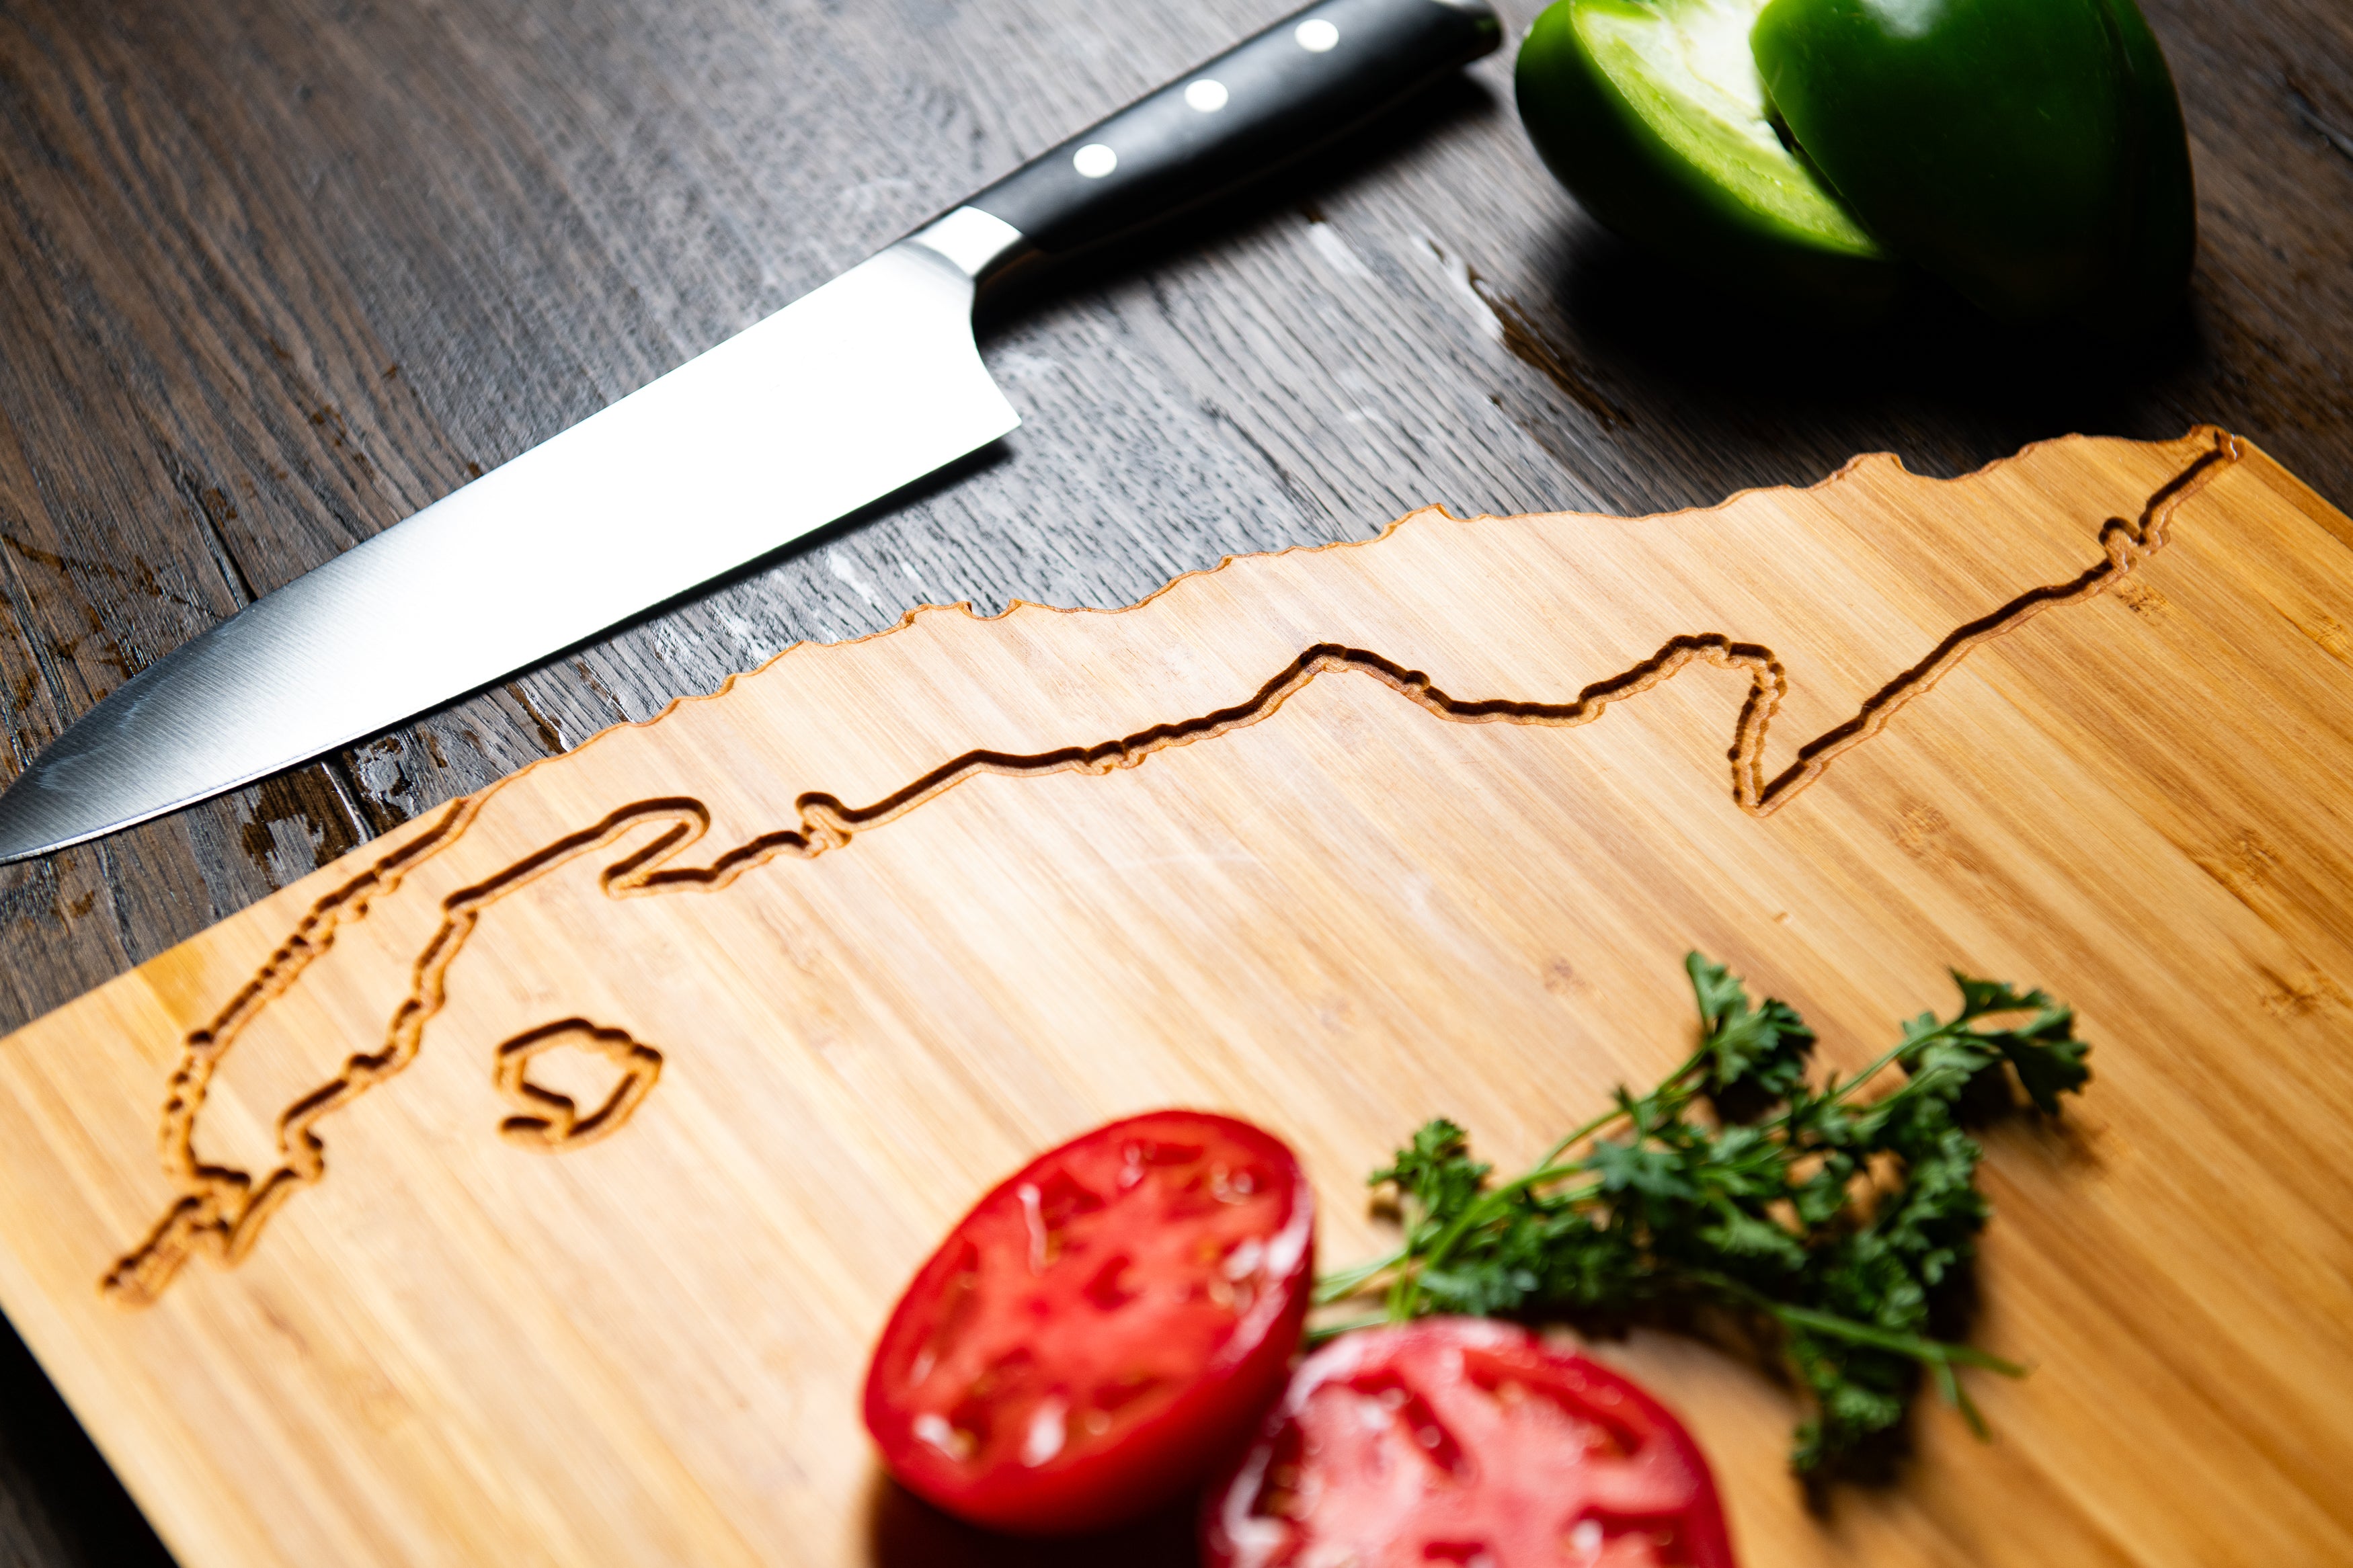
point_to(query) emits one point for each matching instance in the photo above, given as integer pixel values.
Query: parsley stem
(1958, 1027)
(1933, 1352)
(1872, 1071)
(1694, 1060)
(1550, 1174)
(1965, 1404)
(1344, 1283)
(1958, 1398)
(1333, 1330)
(1588, 1130)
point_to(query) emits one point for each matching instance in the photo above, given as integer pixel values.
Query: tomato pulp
(1101, 1329)
(1462, 1441)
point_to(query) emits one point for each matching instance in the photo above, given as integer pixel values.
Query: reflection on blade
(844, 396)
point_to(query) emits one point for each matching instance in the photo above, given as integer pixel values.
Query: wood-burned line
(221, 1213)
(206, 1188)
(2125, 544)
(550, 1121)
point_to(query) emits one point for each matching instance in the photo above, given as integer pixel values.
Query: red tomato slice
(1460, 1441)
(1101, 1329)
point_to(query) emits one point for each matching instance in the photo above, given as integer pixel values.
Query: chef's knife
(845, 395)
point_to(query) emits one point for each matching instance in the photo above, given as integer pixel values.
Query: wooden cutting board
(528, 1186)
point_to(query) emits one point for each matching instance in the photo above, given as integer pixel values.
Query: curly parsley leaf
(1435, 1177)
(1758, 1053)
(1839, 1225)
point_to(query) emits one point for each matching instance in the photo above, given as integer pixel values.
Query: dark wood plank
(273, 276)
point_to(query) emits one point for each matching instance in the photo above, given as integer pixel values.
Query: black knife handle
(1299, 84)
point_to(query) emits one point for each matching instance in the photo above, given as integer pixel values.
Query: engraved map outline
(221, 1212)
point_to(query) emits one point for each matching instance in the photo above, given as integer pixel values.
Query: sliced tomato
(1102, 1329)
(1465, 1441)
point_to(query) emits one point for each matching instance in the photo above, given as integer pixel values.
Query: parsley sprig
(1836, 1220)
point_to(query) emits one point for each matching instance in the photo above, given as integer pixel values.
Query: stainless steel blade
(843, 396)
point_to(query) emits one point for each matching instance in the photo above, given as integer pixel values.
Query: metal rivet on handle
(1206, 95)
(1094, 161)
(1315, 35)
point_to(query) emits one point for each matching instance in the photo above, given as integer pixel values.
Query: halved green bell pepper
(2030, 152)
(1653, 113)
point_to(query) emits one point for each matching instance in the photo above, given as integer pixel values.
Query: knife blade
(848, 395)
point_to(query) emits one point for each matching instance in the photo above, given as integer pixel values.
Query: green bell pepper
(1653, 112)
(2028, 151)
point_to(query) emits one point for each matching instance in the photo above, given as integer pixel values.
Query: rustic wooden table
(277, 275)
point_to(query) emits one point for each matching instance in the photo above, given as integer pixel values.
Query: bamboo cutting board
(528, 1186)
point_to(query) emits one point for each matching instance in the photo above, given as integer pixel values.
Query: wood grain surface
(273, 275)
(531, 1181)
